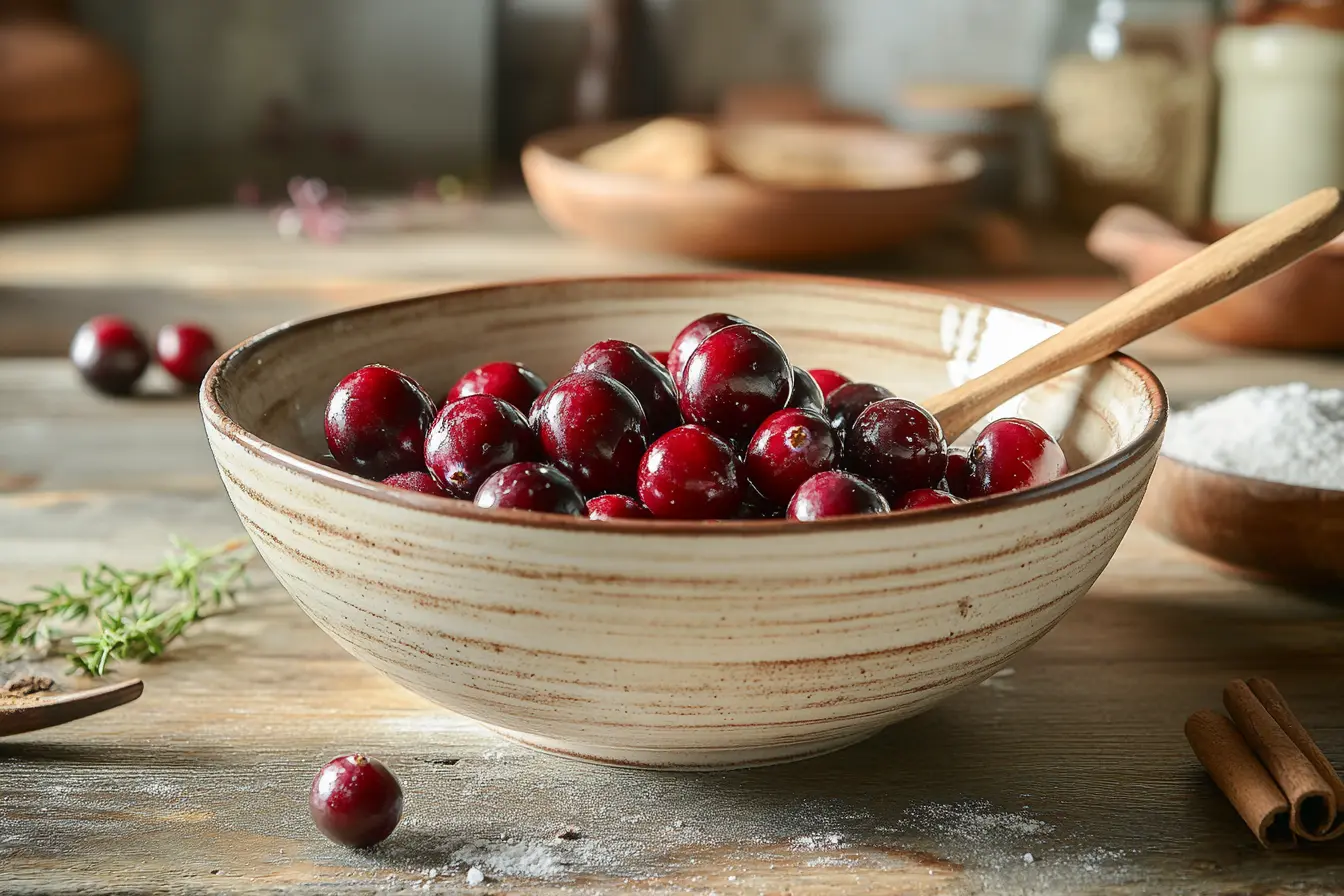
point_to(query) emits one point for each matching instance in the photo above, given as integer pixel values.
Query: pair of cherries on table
(111, 354)
(722, 426)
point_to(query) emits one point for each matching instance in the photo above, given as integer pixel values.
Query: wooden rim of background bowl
(216, 417)
(959, 163)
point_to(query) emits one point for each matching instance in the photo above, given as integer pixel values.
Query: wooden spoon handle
(48, 712)
(1239, 259)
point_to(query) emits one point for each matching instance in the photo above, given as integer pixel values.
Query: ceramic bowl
(677, 645)
(731, 218)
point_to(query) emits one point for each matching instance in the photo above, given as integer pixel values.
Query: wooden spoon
(46, 712)
(1239, 259)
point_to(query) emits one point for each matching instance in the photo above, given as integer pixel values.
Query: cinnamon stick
(1311, 799)
(1239, 775)
(1270, 698)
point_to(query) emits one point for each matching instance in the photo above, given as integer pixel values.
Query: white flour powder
(1291, 434)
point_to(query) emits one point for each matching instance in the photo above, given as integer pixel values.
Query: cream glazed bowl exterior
(677, 645)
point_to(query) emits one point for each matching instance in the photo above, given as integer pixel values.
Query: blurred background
(161, 143)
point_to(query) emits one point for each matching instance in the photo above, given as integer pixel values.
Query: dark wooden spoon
(45, 712)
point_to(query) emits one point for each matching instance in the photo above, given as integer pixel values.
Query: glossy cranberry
(186, 351)
(790, 448)
(595, 431)
(846, 403)
(691, 474)
(828, 379)
(505, 380)
(617, 507)
(1013, 453)
(355, 801)
(806, 393)
(834, 493)
(376, 422)
(472, 438)
(660, 357)
(415, 481)
(694, 333)
(636, 369)
(734, 380)
(925, 497)
(898, 446)
(110, 354)
(540, 488)
(958, 475)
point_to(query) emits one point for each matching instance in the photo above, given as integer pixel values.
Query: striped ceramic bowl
(677, 645)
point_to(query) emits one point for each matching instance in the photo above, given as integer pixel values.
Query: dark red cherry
(834, 493)
(634, 368)
(846, 403)
(958, 475)
(734, 380)
(415, 481)
(355, 801)
(186, 351)
(595, 431)
(898, 446)
(505, 380)
(828, 380)
(925, 497)
(790, 448)
(472, 438)
(531, 486)
(376, 422)
(806, 393)
(691, 474)
(660, 357)
(109, 354)
(1011, 454)
(754, 506)
(694, 333)
(617, 507)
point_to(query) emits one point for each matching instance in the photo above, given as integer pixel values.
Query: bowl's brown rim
(1284, 491)
(1075, 480)
(542, 145)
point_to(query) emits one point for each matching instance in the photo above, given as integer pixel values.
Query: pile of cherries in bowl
(722, 426)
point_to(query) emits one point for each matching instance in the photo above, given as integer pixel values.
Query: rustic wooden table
(1068, 774)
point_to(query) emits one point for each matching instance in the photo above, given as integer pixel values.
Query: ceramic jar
(1281, 122)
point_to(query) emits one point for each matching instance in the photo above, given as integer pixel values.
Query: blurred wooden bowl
(1285, 532)
(898, 187)
(1301, 307)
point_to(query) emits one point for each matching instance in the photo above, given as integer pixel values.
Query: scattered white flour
(474, 876)
(1028, 858)
(818, 841)
(512, 859)
(1291, 434)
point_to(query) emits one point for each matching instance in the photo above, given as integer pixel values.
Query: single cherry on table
(110, 354)
(472, 438)
(532, 486)
(791, 447)
(736, 378)
(691, 473)
(1011, 454)
(376, 421)
(506, 380)
(355, 801)
(186, 351)
(835, 493)
(595, 431)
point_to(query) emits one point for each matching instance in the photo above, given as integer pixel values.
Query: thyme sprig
(125, 614)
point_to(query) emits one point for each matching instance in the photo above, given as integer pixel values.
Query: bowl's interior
(914, 342)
